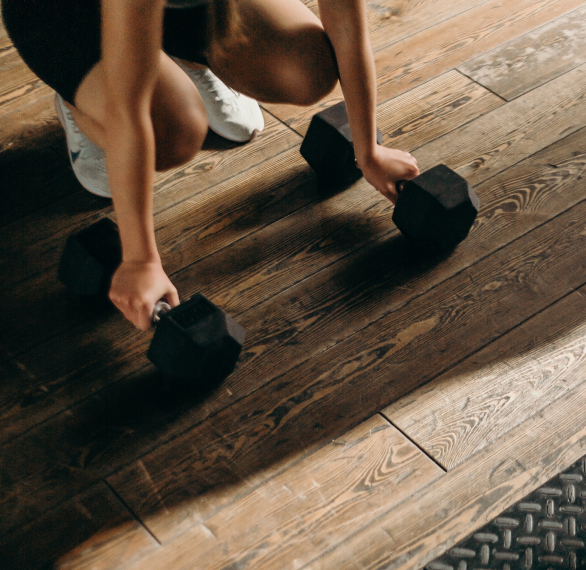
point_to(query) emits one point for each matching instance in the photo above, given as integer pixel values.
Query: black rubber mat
(546, 529)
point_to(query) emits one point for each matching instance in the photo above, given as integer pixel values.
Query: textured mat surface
(546, 529)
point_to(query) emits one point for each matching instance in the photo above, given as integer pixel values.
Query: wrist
(366, 156)
(137, 250)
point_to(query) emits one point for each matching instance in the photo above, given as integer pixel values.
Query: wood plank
(34, 166)
(502, 137)
(296, 326)
(458, 39)
(567, 91)
(332, 390)
(532, 59)
(309, 507)
(390, 22)
(20, 86)
(92, 531)
(401, 118)
(442, 47)
(472, 494)
(24, 253)
(475, 403)
(448, 102)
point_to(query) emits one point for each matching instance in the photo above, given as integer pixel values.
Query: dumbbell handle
(161, 307)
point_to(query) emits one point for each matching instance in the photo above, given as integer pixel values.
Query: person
(139, 82)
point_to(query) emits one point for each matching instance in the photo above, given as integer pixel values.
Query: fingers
(390, 192)
(172, 297)
(136, 287)
(137, 311)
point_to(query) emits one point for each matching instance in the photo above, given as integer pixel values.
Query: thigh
(178, 114)
(282, 54)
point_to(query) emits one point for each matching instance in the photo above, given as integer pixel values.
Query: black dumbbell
(328, 148)
(435, 211)
(196, 341)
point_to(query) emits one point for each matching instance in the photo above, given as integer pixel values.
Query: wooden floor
(384, 406)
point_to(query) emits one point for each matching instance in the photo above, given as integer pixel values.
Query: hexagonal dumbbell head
(328, 149)
(436, 209)
(196, 342)
(90, 258)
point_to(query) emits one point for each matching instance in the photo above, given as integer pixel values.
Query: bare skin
(140, 107)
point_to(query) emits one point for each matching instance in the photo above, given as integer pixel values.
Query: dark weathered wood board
(476, 491)
(108, 428)
(430, 108)
(470, 141)
(499, 139)
(96, 532)
(395, 354)
(532, 59)
(252, 269)
(334, 308)
(19, 86)
(174, 195)
(307, 509)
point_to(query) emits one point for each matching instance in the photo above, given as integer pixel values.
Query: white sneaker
(230, 114)
(87, 160)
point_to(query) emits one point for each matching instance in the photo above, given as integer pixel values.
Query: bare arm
(345, 24)
(131, 47)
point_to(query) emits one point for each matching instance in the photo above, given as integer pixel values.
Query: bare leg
(284, 56)
(178, 114)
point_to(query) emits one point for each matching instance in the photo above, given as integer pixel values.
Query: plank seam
(581, 290)
(534, 30)
(281, 121)
(535, 484)
(404, 434)
(457, 70)
(175, 436)
(130, 510)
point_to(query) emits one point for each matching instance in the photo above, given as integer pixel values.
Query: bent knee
(289, 66)
(312, 87)
(179, 137)
(310, 72)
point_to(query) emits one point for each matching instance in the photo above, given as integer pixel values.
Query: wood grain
(435, 108)
(390, 22)
(92, 531)
(299, 325)
(341, 321)
(413, 120)
(532, 59)
(437, 49)
(24, 253)
(466, 498)
(499, 139)
(308, 508)
(20, 86)
(475, 403)
(241, 284)
(383, 361)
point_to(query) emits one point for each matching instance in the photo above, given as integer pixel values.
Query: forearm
(130, 160)
(131, 46)
(345, 23)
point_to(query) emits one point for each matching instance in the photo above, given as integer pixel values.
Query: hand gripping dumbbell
(435, 210)
(195, 341)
